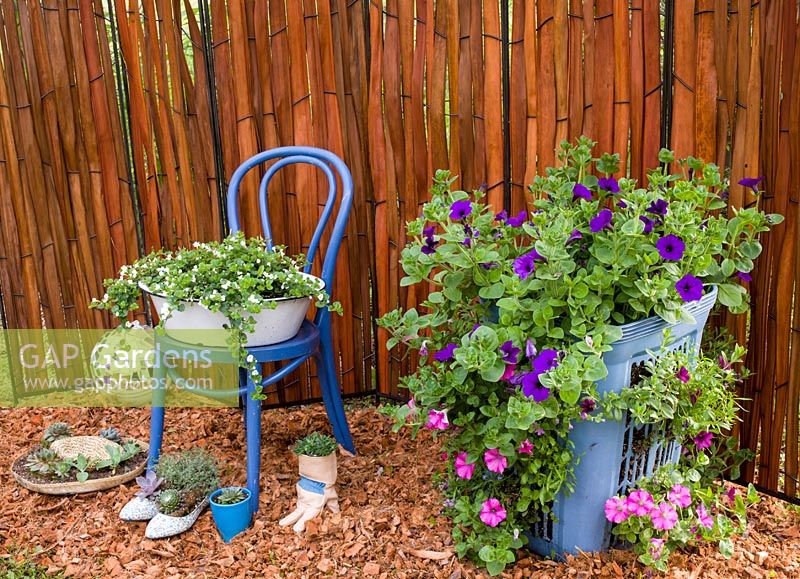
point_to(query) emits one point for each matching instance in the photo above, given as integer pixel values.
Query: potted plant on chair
(317, 460)
(232, 511)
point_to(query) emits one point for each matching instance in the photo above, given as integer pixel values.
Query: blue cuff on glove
(312, 486)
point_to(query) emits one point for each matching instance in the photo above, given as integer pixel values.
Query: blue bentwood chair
(314, 338)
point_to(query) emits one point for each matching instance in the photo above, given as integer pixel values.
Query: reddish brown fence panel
(398, 88)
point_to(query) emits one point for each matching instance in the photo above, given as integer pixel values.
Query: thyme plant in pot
(259, 295)
(316, 489)
(530, 318)
(232, 511)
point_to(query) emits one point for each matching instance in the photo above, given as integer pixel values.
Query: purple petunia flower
(581, 192)
(751, 182)
(703, 440)
(533, 389)
(658, 207)
(460, 209)
(489, 265)
(744, 276)
(446, 354)
(587, 406)
(601, 221)
(608, 184)
(689, 288)
(683, 375)
(430, 243)
(545, 361)
(510, 352)
(573, 236)
(429, 231)
(524, 265)
(670, 247)
(502, 216)
(621, 204)
(648, 223)
(518, 220)
(530, 349)
(724, 364)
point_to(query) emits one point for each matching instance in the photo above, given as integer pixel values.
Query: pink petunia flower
(705, 519)
(495, 461)
(464, 469)
(664, 516)
(640, 503)
(445, 456)
(492, 512)
(680, 496)
(437, 420)
(617, 509)
(509, 373)
(525, 447)
(656, 547)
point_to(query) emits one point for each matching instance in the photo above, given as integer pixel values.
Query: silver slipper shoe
(161, 525)
(138, 509)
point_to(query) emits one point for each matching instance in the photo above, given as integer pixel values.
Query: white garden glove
(315, 491)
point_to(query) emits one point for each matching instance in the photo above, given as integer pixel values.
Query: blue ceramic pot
(231, 519)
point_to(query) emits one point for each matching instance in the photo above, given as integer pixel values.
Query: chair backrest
(331, 165)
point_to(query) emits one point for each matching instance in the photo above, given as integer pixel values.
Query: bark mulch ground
(389, 525)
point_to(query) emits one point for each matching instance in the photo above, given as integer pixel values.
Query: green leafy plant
(237, 277)
(230, 496)
(81, 465)
(315, 444)
(117, 455)
(54, 432)
(169, 501)
(520, 310)
(191, 471)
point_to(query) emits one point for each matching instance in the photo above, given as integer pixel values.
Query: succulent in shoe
(54, 432)
(42, 462)
(148, 484)
(230, 496)
(169, 501)
(111, 434)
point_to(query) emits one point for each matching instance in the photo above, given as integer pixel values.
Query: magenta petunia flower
(640, 503)
(532, 388)
(545, 361)
(658, 207)
(495, 461)
(601, 221)
(518, 220)
(587, 407)
(444, 456)
(581, 192)
(616, 509)
(524, 266)
(751, 182)
(460, 209)
(705, 519)
(689, 288)
(492, 512)
(574, 236)
(670, 247)
(648, 223)
(744, 276)
(509, 372)
(608, 184)
(664, 516)
(510, 352)
(446, 354)
(680, 496)
(703, 440)
(724, 364)
(525, 447)
(731, 494)
(437, 420)
(683, 375)
(464, 468)
(656, 547)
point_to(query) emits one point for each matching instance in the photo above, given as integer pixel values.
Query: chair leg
(157, 416)
(331, 394)
(243, 397)
(253, 437)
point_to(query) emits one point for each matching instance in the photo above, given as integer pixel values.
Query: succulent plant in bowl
(230, 496)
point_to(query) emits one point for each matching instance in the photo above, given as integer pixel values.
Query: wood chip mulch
(389, 525)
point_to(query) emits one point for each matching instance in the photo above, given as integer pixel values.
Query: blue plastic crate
(613, 455)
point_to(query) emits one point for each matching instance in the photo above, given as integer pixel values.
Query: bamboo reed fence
(121, 121)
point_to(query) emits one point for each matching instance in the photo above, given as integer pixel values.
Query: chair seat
(305, 342)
